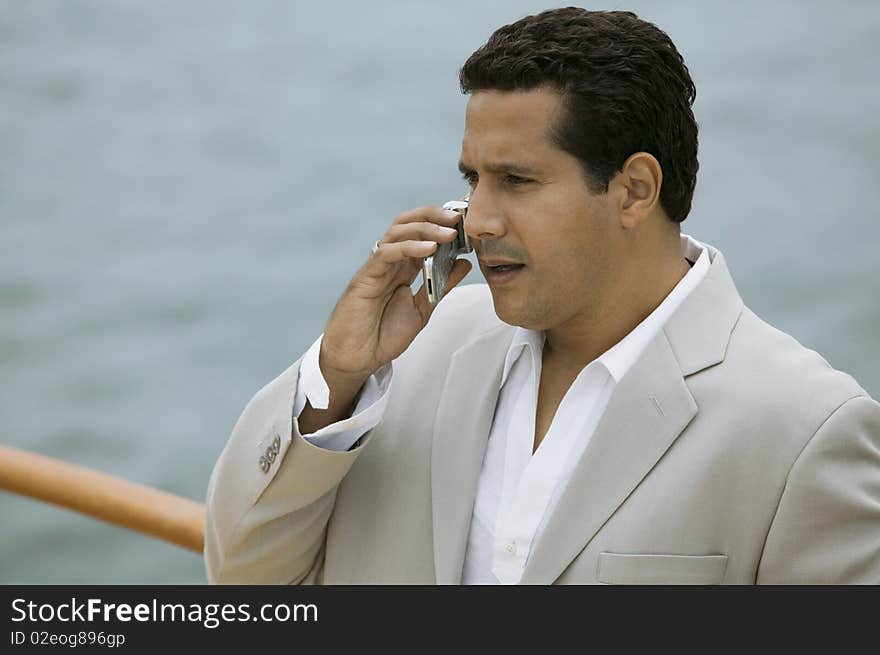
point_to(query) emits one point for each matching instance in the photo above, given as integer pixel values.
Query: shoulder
(782, 360)
(474, 300)
(775, 382)
(464, 315)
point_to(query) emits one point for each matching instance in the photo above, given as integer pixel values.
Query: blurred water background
(185, 189)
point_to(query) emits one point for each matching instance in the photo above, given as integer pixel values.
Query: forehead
(507, 124)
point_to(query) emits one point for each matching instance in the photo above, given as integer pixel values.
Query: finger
(420, 231)
(393, 253)
(433, 214)
(392, 265)
(421, 301)
(407, 272)
(412, 270)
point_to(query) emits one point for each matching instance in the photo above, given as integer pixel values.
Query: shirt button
(510, 548)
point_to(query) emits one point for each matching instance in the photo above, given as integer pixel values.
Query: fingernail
(448, 230)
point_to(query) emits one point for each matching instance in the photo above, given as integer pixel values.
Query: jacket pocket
(620, 568)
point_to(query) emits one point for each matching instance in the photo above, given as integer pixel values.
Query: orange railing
(135, 506)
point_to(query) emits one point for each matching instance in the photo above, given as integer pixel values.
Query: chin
(514, 313)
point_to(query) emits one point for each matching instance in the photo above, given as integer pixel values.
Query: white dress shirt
(517, 491)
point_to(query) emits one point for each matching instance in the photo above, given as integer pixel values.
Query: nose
(484, 219)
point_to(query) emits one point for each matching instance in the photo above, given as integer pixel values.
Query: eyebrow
(501, 167)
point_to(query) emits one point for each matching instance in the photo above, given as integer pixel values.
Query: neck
(583, 338)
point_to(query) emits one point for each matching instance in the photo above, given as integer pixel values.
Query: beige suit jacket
(729, 453)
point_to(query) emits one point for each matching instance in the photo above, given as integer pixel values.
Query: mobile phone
(437, 267)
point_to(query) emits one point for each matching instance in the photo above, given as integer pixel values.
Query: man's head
(580, 147)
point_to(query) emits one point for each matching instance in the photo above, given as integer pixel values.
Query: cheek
(566, 237)
(567, 254)
(571, 267)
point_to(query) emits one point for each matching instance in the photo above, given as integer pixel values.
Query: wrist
(339, 376)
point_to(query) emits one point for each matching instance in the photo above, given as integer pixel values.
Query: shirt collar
(619, 358)
(523, 339)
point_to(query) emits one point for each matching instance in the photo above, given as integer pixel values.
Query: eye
(516, 180)
(470, 178)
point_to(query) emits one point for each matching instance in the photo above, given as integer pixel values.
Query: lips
(499, 271)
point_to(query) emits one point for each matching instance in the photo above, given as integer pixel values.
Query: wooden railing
(135, 506)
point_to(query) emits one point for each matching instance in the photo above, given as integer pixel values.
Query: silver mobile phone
(437, 267)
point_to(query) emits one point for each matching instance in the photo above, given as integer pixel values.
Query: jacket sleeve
(271, 494)
(827, 526)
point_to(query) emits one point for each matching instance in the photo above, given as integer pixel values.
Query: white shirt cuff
(368, 411)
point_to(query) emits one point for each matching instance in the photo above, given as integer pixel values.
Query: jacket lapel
(648, 410)
(461, 432)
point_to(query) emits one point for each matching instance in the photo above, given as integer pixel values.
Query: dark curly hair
(625, 87)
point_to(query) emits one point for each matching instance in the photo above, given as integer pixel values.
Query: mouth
(500, 272)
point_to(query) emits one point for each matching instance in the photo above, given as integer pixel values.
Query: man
(606, 410)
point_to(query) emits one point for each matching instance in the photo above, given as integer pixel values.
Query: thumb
(459, 272)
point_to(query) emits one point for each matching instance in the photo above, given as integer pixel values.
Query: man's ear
(637, 188)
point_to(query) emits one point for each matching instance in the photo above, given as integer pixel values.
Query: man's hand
(377, 316)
